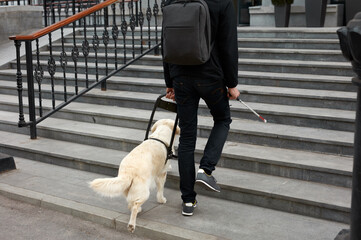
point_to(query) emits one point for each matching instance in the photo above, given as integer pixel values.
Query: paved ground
(25, 221)
(66, 190)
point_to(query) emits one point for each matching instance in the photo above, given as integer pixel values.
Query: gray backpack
(186, 32)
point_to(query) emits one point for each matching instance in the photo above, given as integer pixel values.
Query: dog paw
(162, 200)
(131, 228)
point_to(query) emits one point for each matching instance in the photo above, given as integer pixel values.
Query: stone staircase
(299, 162)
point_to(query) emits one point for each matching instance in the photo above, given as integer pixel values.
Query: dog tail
(111, 187)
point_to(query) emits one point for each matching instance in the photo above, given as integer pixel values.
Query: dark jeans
(188, 92)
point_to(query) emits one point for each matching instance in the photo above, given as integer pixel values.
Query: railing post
(155, 12)
(106, 17)
(19, 82)
(31, 96)
(73, 7)
(136, 14)
(141, 22)
(79, 10)
(103, 85)
(45, 13)
(52, 12)
(132, 26)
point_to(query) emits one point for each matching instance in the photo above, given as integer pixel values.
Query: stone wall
(18, 19)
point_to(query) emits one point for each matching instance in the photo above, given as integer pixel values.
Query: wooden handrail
(66, 21)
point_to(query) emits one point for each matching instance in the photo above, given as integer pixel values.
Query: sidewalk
(65, 190)
(33, 222)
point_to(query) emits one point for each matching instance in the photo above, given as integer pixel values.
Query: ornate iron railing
(110, 39)
(56, 10)
(18, 2)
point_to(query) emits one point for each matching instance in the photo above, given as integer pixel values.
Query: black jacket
(223, 63)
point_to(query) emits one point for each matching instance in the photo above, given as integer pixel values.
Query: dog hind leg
(160, 181)
(135, 206)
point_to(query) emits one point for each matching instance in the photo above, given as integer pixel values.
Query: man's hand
(170, 94)
(233, 93)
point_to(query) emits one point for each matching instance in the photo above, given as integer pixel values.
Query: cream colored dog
(139, 169)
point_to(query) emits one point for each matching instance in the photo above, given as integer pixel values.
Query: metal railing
(18, 2)
(56, 10)
(115, 41)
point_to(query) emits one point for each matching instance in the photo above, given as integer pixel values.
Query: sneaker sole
(187, 214)
(209, 186)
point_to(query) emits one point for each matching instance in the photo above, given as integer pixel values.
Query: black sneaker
(207, 180)
(188, 208)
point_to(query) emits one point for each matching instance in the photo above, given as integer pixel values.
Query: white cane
(264, 120)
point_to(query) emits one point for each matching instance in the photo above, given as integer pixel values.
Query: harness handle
(169, 106)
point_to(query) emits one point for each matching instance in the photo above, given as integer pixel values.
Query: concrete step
(326, 118)
(66, 191)
(253, 65)
(138, 39)
(299, 97)
(296, 80)
(132, 70)
(249, 59)
(137, 31)
(68, 47)
(310, 199)
(245, 131)
(289, 80)
(292, 54)
(150, 59)
(289, 32)
(250, 32)
(294, 66)
(263, 94)
(248, 52)
(249, 39)
(293, 43)
(244, 53)
(330, 169)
